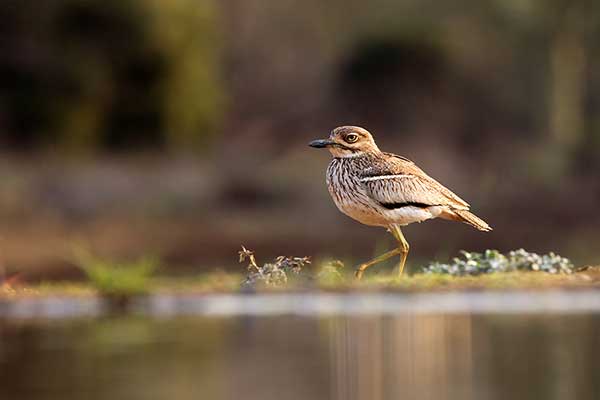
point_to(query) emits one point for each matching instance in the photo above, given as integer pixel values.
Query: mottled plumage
(383, 189)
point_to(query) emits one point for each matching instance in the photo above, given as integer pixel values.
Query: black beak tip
(319, 143)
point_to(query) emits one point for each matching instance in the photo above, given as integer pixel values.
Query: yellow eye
(351, 138)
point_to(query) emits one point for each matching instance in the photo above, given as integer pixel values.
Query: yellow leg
(362, 267)
(404, 247)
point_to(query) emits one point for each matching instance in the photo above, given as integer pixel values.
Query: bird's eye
(351, 138)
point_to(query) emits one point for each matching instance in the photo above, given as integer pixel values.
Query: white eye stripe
(381, 177)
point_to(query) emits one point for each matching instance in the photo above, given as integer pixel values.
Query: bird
(386, 190)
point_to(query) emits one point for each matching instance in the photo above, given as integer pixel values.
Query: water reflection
(425, 356)
(465, 357)
(402, 357)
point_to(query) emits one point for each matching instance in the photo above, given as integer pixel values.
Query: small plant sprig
(492, 261)
(248, 254)
(276, 273)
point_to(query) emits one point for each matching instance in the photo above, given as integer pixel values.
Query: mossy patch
(486, 271)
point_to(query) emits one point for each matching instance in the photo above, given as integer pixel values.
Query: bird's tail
(469, 218)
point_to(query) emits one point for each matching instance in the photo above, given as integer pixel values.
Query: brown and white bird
(383, 189)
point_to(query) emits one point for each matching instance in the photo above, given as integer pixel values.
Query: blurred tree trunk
(566, 111)
(187, 32)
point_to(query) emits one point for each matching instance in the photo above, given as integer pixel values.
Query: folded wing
(401, 183)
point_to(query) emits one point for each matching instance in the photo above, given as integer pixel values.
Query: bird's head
(347, 141)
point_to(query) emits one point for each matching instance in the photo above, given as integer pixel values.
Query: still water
(370, 356)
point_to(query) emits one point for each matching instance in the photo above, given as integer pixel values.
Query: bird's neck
(357, 154)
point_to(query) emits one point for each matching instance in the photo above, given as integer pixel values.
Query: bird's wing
(397, 181)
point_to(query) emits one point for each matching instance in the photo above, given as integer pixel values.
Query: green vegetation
(490, 271)
(105, 282)
(114, 279)
(492, 261)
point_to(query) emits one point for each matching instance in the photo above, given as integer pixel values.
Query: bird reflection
(409, 356)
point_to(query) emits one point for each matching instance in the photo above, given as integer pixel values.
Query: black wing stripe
(394, 206)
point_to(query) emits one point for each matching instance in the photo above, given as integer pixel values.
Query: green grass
(118, 279)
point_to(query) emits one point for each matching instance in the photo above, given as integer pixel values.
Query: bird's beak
(320, 143)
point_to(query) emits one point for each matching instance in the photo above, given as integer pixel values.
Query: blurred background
(179, 128)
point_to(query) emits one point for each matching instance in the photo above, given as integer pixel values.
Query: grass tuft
(118, 279)
(331, 274)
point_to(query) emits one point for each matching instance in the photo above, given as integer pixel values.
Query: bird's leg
(362, 267)
(403, 248)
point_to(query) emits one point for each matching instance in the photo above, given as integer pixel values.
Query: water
(357, 353)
